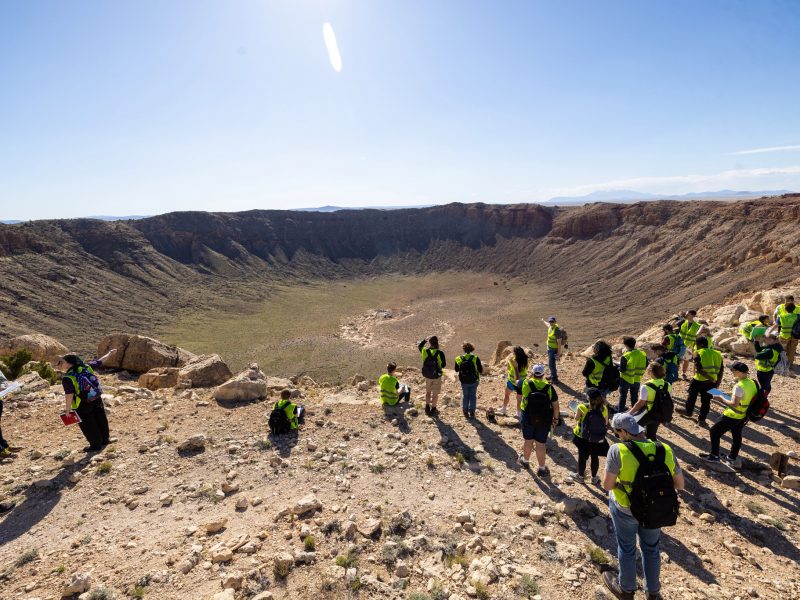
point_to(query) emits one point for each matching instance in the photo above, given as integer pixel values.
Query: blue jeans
(469, 396)
(551, 362)
(627, 528)
(626, 388)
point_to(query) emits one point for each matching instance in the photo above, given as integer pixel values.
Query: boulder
(226, 594)
(162, 377)
(246, 386)
(728, 316)
(207, 370)
(276, 384)
(751, 315)
(215, 526)
(78, 583)
(32, 382)
(768, 300)
(307, 504)
(139, 354)
(654, 335)
(791, 482)
(196, 442)
(742, 347)
(41, 347)
(498, 351)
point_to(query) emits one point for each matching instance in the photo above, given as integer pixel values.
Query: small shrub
(309, 543)
(481, 590)
(15, 363)
(46, 372)
(459, 458)
(280, 570)
(59, 569)
(377, 468)
(430, 462)
(347, 560)
(355, 585)
(104, 467)
(61, 454)
(527, 586)
(330, 527)
(137, 592)
(264, 444)
(459, 558)
(598, 556)
(328, 411)
(777, 523)
(168, 439)
(419, 596)
(754, 507)
(101, 593)
(26, 557)
(85, 540)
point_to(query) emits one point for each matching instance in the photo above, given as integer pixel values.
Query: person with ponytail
(83, 394)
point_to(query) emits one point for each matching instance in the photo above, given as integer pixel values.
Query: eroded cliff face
(64, 277)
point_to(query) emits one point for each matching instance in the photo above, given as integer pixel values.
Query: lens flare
(332, 46)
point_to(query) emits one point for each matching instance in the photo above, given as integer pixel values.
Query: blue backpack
(89, 387)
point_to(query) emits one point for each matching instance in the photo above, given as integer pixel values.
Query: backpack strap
(637, 452)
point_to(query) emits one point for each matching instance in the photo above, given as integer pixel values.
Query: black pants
(720, 428)
(652, 430)
(3, 442)
(404, 396)
(583, 455)
(94, 423)
(765, 380)
(699, 387)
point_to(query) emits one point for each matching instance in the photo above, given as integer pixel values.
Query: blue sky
(150, 106)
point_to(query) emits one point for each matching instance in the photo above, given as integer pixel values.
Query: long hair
(602, 349)
(73, 360)
(521, 358)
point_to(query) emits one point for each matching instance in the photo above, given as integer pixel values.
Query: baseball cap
(593, 392)
(538, 369)
(551, 319)
(738, 366)
(626, 422)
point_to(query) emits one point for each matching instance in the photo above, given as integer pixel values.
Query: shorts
(433, 386)
(514, 388)
(530, 431)
(688, 353)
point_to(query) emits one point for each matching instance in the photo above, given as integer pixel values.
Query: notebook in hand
(70, 418)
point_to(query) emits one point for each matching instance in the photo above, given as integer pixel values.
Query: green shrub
(101, 593)
(104, 467)
(482, 590)
(26, 557)
(598, 556)
(528, 586)
(15, 363)
(347, 560)
(46, 372)
(309, 543)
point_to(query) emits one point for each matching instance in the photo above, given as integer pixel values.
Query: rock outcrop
(139, 354)
(250, 384)
(41, 347)
(207, 370)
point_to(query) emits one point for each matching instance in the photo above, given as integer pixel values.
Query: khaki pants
(790, 345)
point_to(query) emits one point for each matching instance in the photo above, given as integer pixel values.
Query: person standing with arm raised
(555, 346)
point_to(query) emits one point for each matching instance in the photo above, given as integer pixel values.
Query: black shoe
(702, 423)
(7, 505)
(434, 412)
(684, 413)
(92, 449)
(466, 414)
(655, 596)
(472, 415)
(543, 472)
(709, 457)
(427, 409)
(612, 583)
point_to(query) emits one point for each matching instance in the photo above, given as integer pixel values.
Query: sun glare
(332, 46)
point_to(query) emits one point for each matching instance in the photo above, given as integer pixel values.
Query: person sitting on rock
(286, 416)
(392, 391)
(589, 434)
(433, 364)
(734, 417)
(469, 369)
(83, 394)
(767, 356)
(539, 414)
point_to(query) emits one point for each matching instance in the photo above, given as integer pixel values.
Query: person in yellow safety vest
(631, 368)
(689, 331)
(469, 369)
(707, 375)
(767, 356)
(621, 467)
(539, 414)
(647, 397)
(787, 314)
(433, 364)
(294, 413)
(747, 328)
(555, 346)
(392, 391)
(517, 368)
(587, 431)
(734, 417)
(595, 366)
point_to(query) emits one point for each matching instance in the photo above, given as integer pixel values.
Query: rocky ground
(195, 500)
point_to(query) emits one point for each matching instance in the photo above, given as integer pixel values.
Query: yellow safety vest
(750, 390)
(768, 364)
(552, 341)
(636, 362)
(689, 332)
(513, 375)
(72, 375)
(289, 408)
(671, 339)
(580, 415)
(747, 329)
(596, 375)
(711, 361)
(651, 393)
(630, 465)
(388, 385)
(787, 320)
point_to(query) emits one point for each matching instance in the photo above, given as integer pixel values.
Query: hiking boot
(543, 472)
(427, 409)
(595, 480)
(472, 415)
(522, 462)
(702, 423)
(655, 596)
(612, 583)
(684, 413)
(434, 412)
(577, 476)
(503, 411)
(709, 457)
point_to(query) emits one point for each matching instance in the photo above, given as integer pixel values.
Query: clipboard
(9, 389)
(719, 392)
(70, 418)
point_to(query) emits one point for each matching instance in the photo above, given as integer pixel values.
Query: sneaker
(577, 476)
(543, 472)
(709, 457)
(612, 583)
(596, 480)
(522, 462)
(503, 411)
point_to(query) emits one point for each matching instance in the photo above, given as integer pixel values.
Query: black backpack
(467, 369)
(609, 380)
(278, 421)
(539, 410)
(758, 406)
(565, 338)
(593, 427)
(796, 329)
(430, 366)
(663, 406)
(654, 500)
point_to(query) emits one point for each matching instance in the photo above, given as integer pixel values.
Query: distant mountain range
(98, 217)
(634, 196)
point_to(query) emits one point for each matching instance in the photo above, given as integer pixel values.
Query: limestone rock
(791, 482)
(226, 594)
(161, 377)
(215, 526)
(306, 505)
(41, 347)
(263, 596)
(499, 350)
(206, 370)
(232, 580)
(139, 354)
(78, 583)
(241, 503)
(728, 316)
(283, 562)
(32, 382)
(276, 384)
(248, 385)
(196, 442)
(742, 347)
(371, 528)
